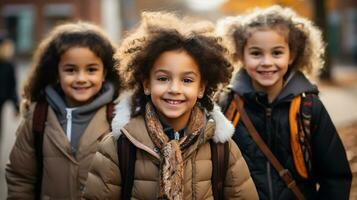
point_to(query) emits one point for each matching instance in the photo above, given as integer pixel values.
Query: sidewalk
(340, 98)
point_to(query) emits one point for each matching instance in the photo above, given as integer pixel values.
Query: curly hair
(159, 32)
(59, 40)
(304, 39)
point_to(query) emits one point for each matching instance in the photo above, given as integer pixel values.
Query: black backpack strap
(38, 127)
(307, 110)
(110, 112)
(220, 159)
(127, 157)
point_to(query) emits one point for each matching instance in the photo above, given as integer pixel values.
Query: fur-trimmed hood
(223, 132)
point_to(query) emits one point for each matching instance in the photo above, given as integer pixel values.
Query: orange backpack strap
(300, 115)
(296, 137)
(232, 113)
(220, 159)
(38, 128)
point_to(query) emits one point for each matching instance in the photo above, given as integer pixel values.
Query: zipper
(177, 135)
(268, 113)
(69, 123)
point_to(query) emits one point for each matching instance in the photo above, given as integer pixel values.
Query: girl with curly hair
(174, 67)
(73, 82)
(276, 51)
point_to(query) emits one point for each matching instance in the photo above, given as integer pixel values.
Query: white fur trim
(122, 113)
(224, 128)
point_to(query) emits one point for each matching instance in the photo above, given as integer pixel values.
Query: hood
(295, 84)
(56, 100)
(122, 112)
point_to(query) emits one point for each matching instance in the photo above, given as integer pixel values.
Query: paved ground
(339, 98)
(349, 138)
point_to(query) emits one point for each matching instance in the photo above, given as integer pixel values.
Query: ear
(201, 91)
(146, 86)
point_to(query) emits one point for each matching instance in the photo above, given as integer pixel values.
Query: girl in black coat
(276, 50)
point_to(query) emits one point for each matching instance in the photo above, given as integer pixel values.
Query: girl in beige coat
(74, 74)
(174, 68)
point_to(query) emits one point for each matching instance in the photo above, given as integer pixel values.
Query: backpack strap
(110, 112)
(297, 137)
(284, 173)
(231, 112)
(307, 126)
(300, 116)
(38, 127)
(220, 159)
(127, 156)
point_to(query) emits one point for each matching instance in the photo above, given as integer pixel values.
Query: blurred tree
(321, 21)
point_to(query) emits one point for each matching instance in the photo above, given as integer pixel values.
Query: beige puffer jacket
(64, 175)
(104, 179)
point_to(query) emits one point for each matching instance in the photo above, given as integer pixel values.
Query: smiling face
(174, 85)
(266, 58)
(81, 75)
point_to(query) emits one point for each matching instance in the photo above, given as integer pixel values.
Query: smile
(173, 102)
(266, 73)
(80, 88)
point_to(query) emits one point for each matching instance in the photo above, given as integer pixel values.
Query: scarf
(171, 163)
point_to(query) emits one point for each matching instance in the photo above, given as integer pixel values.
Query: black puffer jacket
(331, 168)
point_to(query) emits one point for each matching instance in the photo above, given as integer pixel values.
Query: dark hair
(161, 32)
(62, 38)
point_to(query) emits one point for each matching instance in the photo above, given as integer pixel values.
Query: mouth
(267, 73)
(81, 88)
(173, 102)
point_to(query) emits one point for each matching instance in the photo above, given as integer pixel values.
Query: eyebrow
(169, 72)
(258, 48)
(74, 65)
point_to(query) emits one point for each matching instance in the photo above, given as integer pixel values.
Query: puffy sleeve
(330, 163)
(21, 173)
(104, 179)
(238, 183)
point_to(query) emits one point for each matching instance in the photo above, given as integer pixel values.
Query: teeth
(173, 101)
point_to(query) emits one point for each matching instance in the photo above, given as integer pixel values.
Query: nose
(175, 87)
(267, 61)
(81, 77)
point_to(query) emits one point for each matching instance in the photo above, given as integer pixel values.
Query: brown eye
(255, 53)
(162, 78)
(187, 80)
(277, 53)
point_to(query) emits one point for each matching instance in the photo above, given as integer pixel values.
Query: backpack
(127, 156)
(300, 122)
(38, 127)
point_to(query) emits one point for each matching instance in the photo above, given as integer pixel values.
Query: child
(277, 49)
(174, 69)
(74, 72)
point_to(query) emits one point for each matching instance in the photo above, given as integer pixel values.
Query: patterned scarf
(171, 163)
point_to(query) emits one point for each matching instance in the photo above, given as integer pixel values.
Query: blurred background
(26, 22)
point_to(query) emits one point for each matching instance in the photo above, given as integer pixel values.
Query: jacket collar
(296, 84)
(223, 127)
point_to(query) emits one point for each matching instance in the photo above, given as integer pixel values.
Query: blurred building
(27, 21)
